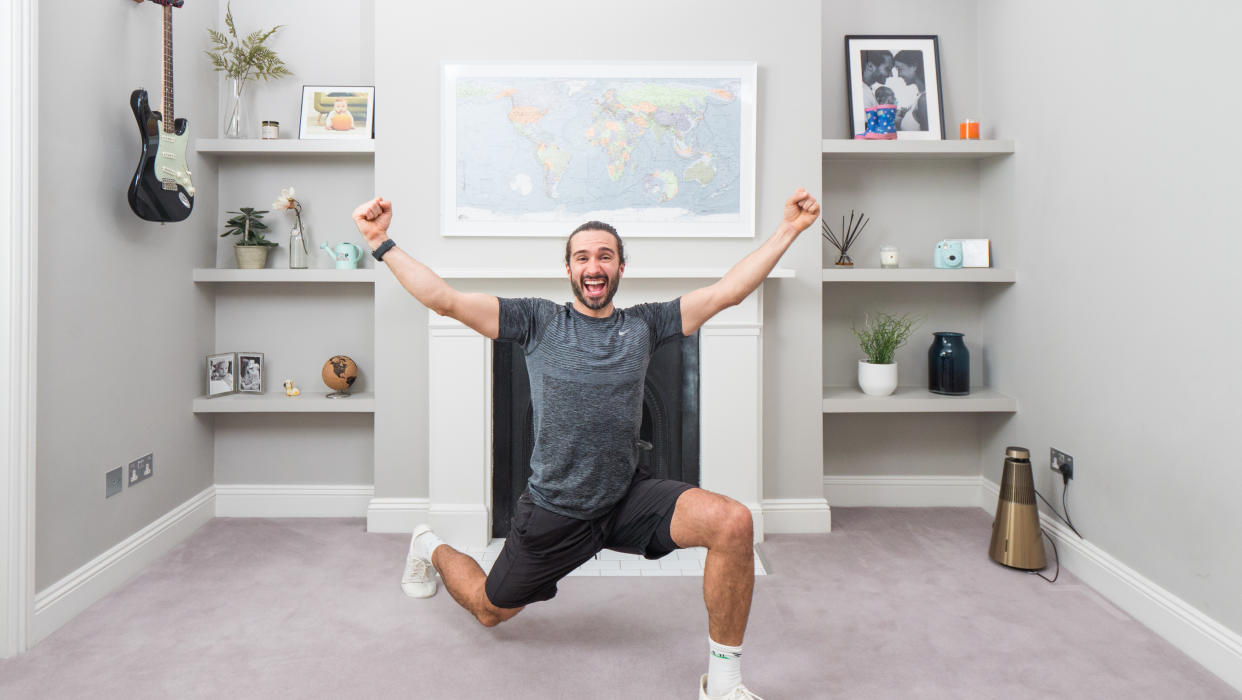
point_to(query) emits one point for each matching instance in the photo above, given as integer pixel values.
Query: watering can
(345, 254)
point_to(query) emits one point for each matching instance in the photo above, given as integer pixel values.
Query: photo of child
(336, 112)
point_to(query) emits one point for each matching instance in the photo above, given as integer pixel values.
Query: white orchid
(287, 201)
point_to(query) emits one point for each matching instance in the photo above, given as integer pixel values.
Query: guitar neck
(168, 71)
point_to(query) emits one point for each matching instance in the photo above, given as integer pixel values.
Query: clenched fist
(801, 210)
(372, 219)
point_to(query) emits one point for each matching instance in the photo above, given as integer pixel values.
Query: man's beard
(610, 290)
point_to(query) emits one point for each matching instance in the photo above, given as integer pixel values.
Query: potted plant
(251, 250)
(240, 60)
(877, 375)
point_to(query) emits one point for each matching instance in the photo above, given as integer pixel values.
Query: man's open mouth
(594, 286)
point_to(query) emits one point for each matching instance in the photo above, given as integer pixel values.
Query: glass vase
(235, 117)
(298, 255)
(948, 365)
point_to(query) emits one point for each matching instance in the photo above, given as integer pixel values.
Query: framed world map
(655, 149)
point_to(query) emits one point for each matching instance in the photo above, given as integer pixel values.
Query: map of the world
(651, 155)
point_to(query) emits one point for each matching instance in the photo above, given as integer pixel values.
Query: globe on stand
(339, 373)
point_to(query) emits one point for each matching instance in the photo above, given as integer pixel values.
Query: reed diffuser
(849, 234)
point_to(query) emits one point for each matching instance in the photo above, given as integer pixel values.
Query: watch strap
(384, 247)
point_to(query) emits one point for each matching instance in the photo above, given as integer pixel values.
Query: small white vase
(877, 380)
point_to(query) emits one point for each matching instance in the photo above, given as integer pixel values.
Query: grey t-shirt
(586, 388)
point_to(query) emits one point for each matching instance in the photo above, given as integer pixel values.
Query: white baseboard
(293, 500)
(396, 514)
(61, 601)
(1200, 637)
(796, 515)
(463, 525)
(902, 491)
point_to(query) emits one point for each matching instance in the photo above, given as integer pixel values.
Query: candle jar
(271, 130)
(969, 129)
(888, 257)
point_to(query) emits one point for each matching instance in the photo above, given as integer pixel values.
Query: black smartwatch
(384, 247)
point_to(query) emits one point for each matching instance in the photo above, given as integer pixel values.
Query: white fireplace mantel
(459, 502)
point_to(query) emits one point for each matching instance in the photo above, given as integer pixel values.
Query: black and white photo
(901, 72)
(221, 374)
(250, 372)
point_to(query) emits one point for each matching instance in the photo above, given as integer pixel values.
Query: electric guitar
(161, 189)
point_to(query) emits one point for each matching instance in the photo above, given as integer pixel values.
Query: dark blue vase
(948, 365)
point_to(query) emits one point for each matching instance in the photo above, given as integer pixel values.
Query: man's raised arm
(478, 311)
(801, 210)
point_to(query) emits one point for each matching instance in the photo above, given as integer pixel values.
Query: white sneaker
(738, 693)
(419, 579)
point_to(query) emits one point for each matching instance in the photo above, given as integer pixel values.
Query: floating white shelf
(212, 274)
(912, 399)
(687, 273)
(914, 274)
(224, 147)
(851, 149)
(277, 402)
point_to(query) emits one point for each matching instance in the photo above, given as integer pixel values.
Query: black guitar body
(147, 194)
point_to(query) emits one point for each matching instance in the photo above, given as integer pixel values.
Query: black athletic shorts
(543, 547)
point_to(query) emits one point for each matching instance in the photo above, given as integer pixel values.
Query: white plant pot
(877, 380)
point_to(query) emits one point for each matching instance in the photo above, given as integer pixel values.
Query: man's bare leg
(466, 582)
(724, 526)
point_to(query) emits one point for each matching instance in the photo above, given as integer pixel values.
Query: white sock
(425, 545)
(724, 668)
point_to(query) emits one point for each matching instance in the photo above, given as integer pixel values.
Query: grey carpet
(894, 603)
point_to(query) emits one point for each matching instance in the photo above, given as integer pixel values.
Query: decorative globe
(339, 373)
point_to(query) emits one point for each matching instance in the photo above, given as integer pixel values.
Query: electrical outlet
(1062, 463)
(112, 485)
(141, 469)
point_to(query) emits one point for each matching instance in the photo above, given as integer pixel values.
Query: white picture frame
(250, 371)
(322, 103)
(221, 374)
(527, 150)
(976, 252)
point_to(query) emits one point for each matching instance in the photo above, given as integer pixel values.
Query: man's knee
(489, 615)
(737, 526)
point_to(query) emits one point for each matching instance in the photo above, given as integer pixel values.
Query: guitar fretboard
(168, 71)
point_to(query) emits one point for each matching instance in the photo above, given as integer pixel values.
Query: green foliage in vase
(881, 338)
(247, 58)
(249, 225)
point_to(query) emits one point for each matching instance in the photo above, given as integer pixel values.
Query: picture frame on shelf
(221, 374)
(250, 372)
(909, 66)
(976, 252)
(339, 112)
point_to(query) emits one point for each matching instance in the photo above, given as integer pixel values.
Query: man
(877, 68)
(587, 361)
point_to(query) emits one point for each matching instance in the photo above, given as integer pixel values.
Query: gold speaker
(1016, 537)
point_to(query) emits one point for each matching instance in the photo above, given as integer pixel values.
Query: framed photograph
(250, 372)
(337, 112)
(657, 149)
(976, 252)
(221, 374)
(902, 71)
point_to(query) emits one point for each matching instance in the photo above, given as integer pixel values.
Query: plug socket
(1061, 462)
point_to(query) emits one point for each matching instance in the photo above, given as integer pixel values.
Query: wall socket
(1061, 462)
(113, 482)
(141, 469)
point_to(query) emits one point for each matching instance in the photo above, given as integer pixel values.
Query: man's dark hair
(876, 57)
(596, 226)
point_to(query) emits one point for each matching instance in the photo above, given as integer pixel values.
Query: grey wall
(1121, 205)
(411, 41)
(121, 328)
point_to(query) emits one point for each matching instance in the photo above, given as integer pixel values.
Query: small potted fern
(879, 339)
(251, 250)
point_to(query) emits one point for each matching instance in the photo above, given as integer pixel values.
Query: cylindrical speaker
(1016, 537)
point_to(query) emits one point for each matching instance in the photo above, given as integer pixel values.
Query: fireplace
(669, 436)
